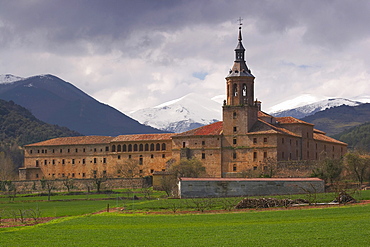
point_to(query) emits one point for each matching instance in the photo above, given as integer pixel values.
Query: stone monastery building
(244, 141)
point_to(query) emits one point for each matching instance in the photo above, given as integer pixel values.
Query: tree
(99, 178)
(269, 167)
(49, 185)
(191, 168)
(68, 183)
(328, 169)
(358, 165)
(7, 167)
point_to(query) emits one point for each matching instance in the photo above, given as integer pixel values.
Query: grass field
(335, 226)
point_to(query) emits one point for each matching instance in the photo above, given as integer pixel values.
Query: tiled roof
(319, 131)
(210, 129)
(291, 120)
(262, 127)
(143, 137)
(263, 114)
(321, 137)
(75, 140)
(251, 179)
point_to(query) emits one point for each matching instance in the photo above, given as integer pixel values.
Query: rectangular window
(234, 168)
(254, 156)
(76, 150)
(203, 143)
(265, 140)
(234, 156)
(183, 145)
(264, 155)
(45, 162)
(104, 160)
(255, 140)
(63, 161)
(203, 156)
(73, 161)
(235, 128)
(234, 141)
(83, 174)
(83, 161)
(282, 140)
(95, 160)
(163, 156)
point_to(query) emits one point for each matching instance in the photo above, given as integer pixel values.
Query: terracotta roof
(321, 137)
(210, 129)
(143, 137)
(319, 131)
(251, 179)
(262, 127)
(291, 120)
(75, 140)
(263, 114)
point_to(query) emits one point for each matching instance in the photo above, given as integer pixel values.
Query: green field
(137, 225)
(336, 226)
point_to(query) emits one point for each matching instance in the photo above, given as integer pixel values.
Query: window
(254, 140)
(282, 140)
(140, 160)
(203, 143)
(83, 174)
(84, 150)
(151, 170)
(135, 147)
(163, 156)
(61, 151)
(94, 149)
(234, 156)
(235, 90)
(234, 168)
(129, 156)
(95, 160)
(264, 155)
(119, 157)
(141, 147)
(113, 148)
(68, 150)
(234, 115)
(31, 151)
(37, 163)
(53, 162)
(124, 148)
(63, 162)
(235, 128)
(119, 148)
(183, 145)
(83, 161)
(104, 160)
(254, 168)
(163, 146)
(129, 147)
(152, 147)
(76, 150)
(106, 148)
(244, 90)
(146, 147)
(158, 147)
(151, 156)
(265, 140)
(73, 161)
(73, 175)
(45, 162)
(37, 175)
(254, 156)
(234, 141)
(203, 156)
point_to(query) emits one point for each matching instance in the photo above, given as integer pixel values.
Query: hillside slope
(55, 101)
(338, 119)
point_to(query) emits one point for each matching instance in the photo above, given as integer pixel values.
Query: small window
(63, 162)
(31, 151)
(83, 174)
(151, 170)
(203, 156)
(265, 140)
(234, 141)
(95, 160)
(119, 157)
(104, 160)
(140, 161)
(68, 150)
(234, 115)
(76, 150)
(234, 156)
(234, 168)
(282, 140)
(84, 150)
(254, 140)
(203, 143)
(94, 149)
(107, 148)
(151, 156)
(73, 161)
(183, 144)
(83, 161)
(45, 162)
(37, 175)
(163, 156)
(254, 168)
(264, 155)
(129, 156)
(37, 163)
(235, 128)
(61, 150)
(254, 156)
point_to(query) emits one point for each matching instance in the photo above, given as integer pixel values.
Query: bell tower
(240, 111)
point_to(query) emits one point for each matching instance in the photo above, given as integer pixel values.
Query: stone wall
(31, 186)
(211, 187)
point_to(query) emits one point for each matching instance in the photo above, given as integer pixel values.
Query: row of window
(72, 161)
(138, 147)
(68, 150)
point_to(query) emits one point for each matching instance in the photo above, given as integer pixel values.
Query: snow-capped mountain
(188, 112)
(7, 78)
(310, 109)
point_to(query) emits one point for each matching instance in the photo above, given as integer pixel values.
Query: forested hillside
(17, 128)
(357, 138)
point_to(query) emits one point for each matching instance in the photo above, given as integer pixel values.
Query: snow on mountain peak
(7, 79)
(180, 114)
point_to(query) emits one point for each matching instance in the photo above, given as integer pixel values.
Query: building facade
(246, 140)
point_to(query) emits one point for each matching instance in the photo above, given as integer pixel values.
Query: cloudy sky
(137, 54)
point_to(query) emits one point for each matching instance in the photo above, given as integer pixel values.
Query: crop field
(335, 226)
(159, 222)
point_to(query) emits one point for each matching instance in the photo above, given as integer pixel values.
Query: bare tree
(358, 165)
(328, 169)
(49, 185)
(7, 167)
(269, 167)
(99, 178)
(68, 183)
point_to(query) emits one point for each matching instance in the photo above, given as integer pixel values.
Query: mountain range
(56, 101)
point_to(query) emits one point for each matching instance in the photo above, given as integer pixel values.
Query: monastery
(246, 140)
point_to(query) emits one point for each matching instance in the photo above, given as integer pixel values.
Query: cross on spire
(240, 21)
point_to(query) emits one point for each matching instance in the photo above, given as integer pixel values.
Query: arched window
(129, 147)
(113, 148)
(147, 147)
(119, 148)
(152, 147)
(135, 147)
(158, 147)
(163, 146)
(244, 90)
(124, 148)
(235, 89)
(234, 114)
(141, 147)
